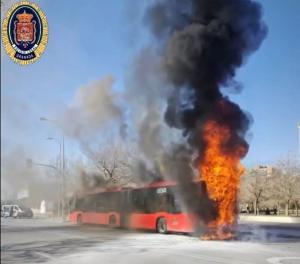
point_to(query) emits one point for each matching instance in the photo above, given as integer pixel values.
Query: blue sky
(91, 39)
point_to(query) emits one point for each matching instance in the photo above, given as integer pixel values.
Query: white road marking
(278, 260)
(44, 255)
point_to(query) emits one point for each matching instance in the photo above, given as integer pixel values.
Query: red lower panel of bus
(175, 222)
(95, 218)
(180, 223)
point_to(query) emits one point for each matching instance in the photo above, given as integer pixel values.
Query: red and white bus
(154, 207)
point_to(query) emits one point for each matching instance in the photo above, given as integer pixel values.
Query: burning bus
(199, 45)
(155, 206)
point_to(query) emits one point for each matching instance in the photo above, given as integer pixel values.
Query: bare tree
(286, 182)
(254, 188)
(114, 165)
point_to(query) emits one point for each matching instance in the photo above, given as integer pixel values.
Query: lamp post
(60, 149)
(62, 161)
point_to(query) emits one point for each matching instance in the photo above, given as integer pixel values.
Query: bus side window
(100, 202)
(170, 203)
(115, 202)
(155, 200)
(87, 203)
(161, 202)
(150, 201)
(135, 201)
(109, 205)
(139, 201)
(176, 205)
(173, 202)
(80, 204)
(110, 202)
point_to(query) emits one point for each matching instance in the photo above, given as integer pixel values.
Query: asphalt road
(47, 241)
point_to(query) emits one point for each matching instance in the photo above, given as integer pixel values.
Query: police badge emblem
(25, 32)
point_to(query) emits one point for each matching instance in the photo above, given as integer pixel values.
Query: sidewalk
(269, 219)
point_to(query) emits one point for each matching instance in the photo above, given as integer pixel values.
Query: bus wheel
(161, 226)
(79, 220)
(112, 221)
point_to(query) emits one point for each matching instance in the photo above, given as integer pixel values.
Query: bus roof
(154, 184)
(157, 184)
(98, 190)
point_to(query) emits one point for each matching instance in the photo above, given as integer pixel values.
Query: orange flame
(221, 172)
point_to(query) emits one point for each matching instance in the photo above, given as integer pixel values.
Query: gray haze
(93, 107)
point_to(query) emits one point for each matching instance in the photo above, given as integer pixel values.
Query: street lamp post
(60, 150)
(63, 184)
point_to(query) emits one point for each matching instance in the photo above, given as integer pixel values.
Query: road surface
(51, 242)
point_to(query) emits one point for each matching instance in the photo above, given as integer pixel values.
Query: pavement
(269, 219)
(54, 242)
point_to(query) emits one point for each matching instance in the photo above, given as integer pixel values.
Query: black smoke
(202, 43)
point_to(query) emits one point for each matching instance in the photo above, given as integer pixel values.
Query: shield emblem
(24, 29)
(25, 32)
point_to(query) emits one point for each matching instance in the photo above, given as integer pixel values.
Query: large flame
(221, 171)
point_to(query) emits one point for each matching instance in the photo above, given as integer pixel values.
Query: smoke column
(202, 43)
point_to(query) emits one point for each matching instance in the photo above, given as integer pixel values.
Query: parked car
(16, 211)
(6, 210)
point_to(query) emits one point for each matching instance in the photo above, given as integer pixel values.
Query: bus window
(86, 203)
(154, 200)
(112, 201)
(107, 202)
(174, 205)
(157, 200)
(100, 202)
(79, 205)
(91, 203)
(139, 201)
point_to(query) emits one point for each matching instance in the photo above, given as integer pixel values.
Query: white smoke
(94, 107)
